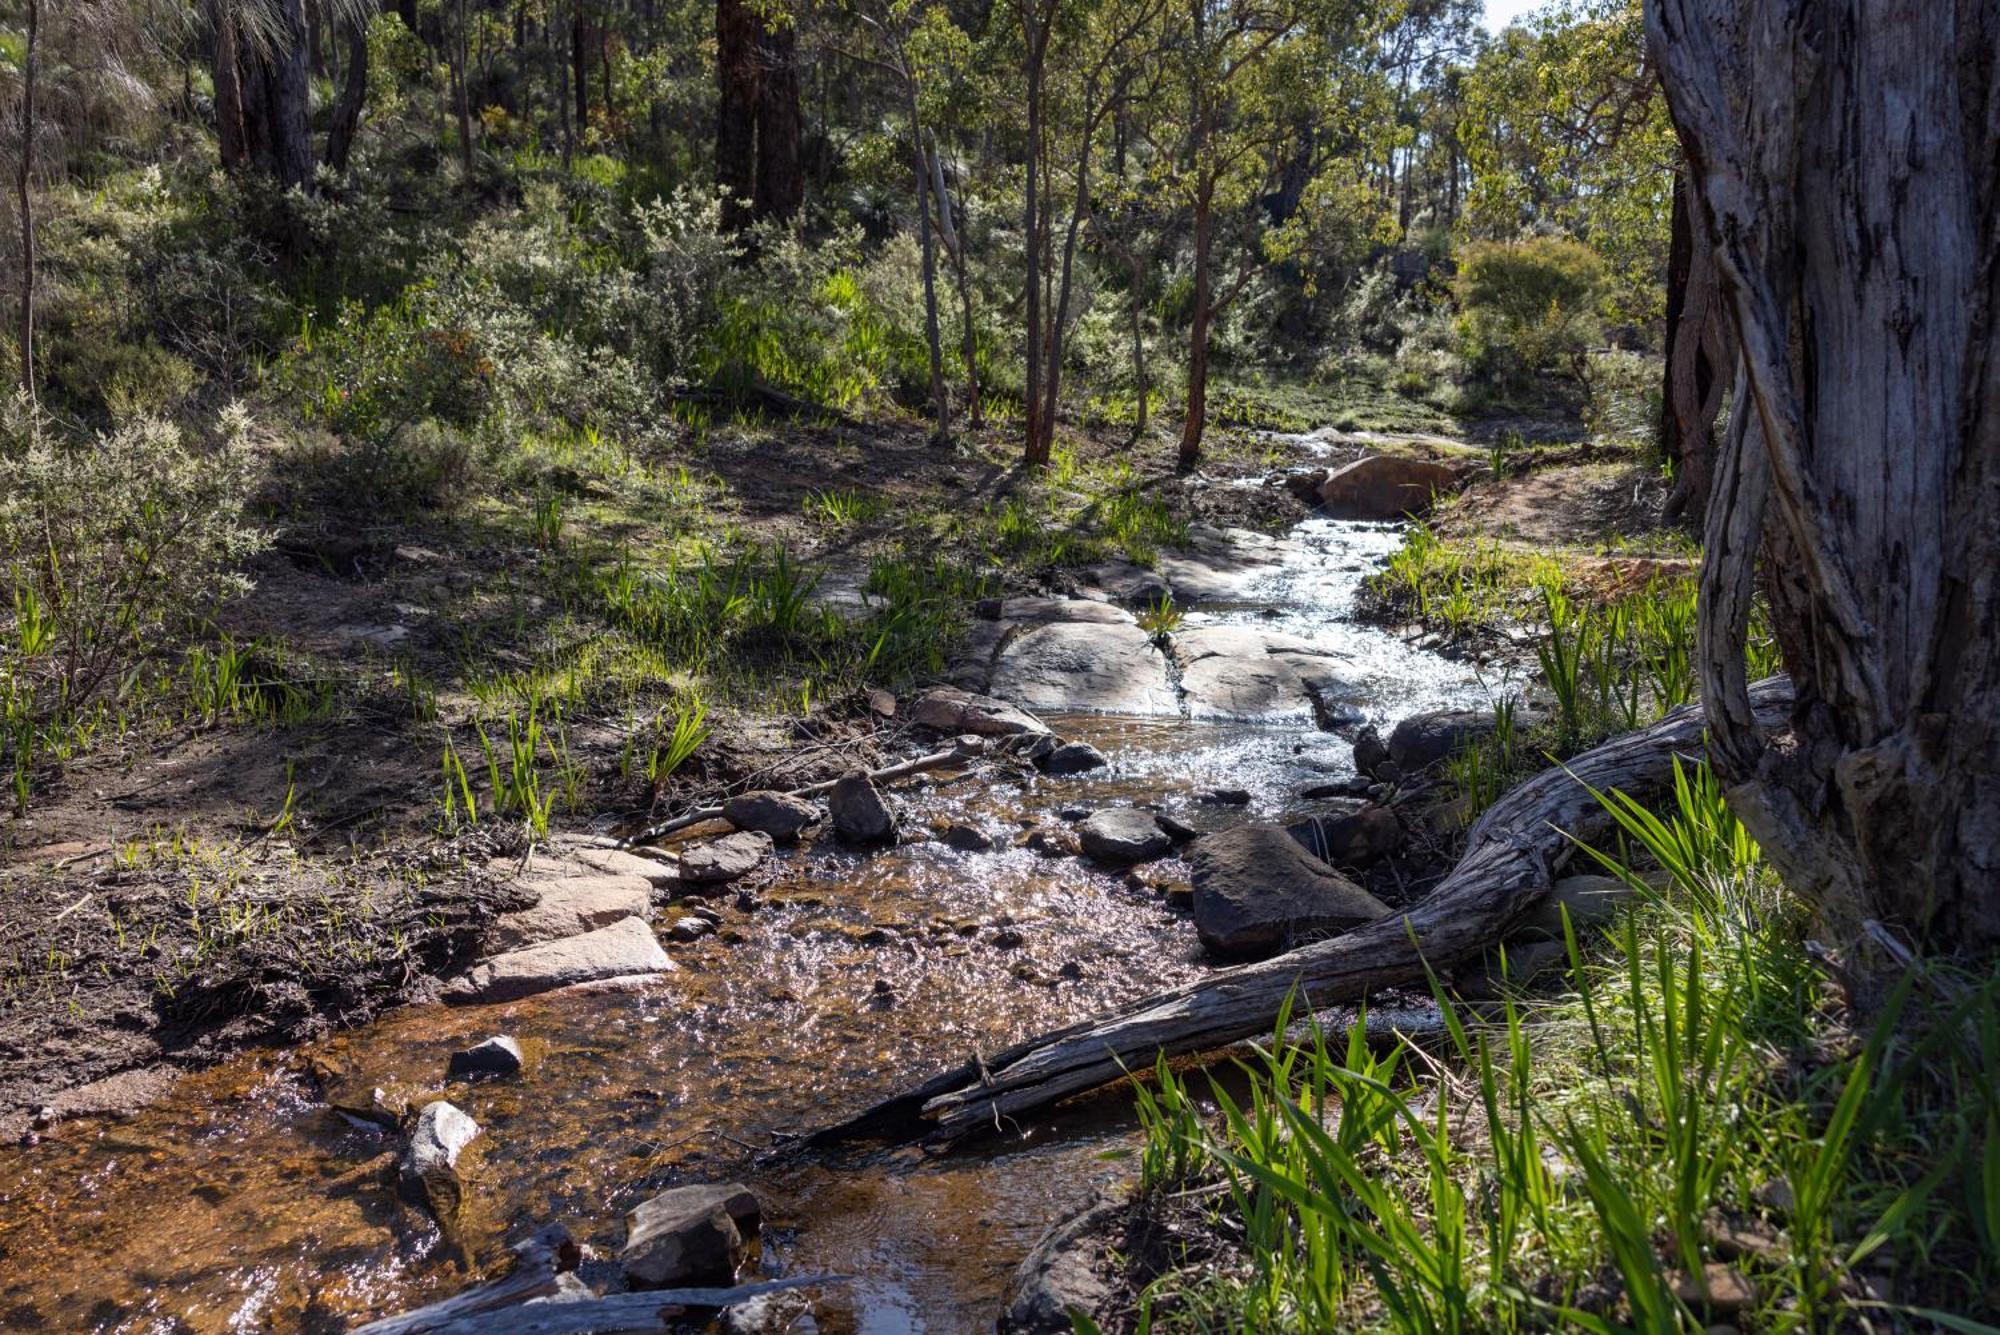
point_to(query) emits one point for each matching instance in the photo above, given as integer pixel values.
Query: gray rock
(1224, 797)
(429, 1169)
(1059, 1278)
(727, 858)
(1096, 667)
(1072, 758)
(1352, 839)
(688, 1235)
(788, 1312)
(1124, 835)
(779, 815)
(497, 1056)
(625, 949)
(1370, 752)
(1424, 740)
(657, 869)
(954, 711)
(570, 906)
(1050, 842)
(1128, 584)
(1242, 674)
(861, 815)
(1385, 486)
(1256, 891)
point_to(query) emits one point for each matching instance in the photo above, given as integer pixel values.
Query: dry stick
(963, 749)
(1506, 871)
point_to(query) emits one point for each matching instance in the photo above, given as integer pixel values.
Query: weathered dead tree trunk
(1700, 357)
(1844, 159)
(1509, 864)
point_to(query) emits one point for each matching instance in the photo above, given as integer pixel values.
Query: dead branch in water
(1505, 872)
(963, 749)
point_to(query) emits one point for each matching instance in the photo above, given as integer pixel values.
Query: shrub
(105, 543)
(1529, 307)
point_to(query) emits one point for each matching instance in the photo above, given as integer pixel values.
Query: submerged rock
(624, 949)
(861, 815)
(1059, 1279)
(1124, 835)
(691, 1234)
(497, 1056)
(1256, 891)
(1072, 758)
(779, 815)
(967, 838)
(727, 858)
(429, 1171)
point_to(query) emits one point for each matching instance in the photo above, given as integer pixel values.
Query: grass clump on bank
(1701, 1127)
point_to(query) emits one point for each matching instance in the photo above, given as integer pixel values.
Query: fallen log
(962, 749)
(1506, 871)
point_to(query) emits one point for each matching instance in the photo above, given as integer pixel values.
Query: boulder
(861, 815)
(779, 815)
(954, 711)
(1256, 891)
(1124, 835)
(1224, 797)
(1072, 758)
(966, 838)
(429, 1169)
(1352, 839)
(1051, 842)
(1423, 740)
(727, 858)
(625, 949)
(570, 906)
(1090, 667)
(688, 1235)
(1385, 486)
(497, 1056)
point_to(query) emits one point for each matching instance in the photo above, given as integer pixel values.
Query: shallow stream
(242, 1203)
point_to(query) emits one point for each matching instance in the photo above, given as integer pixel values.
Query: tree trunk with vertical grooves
(781, 184)
(462, 76)
(940, 406)
(1699, 354)
(1033, 34)
(736, 110)
(1843, 158)
(24, 184)
(261, 90)
(579, 66)
(1197, 387)
(353, 94)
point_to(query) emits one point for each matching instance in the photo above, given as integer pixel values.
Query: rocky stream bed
(677, 1018)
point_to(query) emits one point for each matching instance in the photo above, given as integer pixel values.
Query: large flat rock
(569, 907)
(625, 949)
(1084, 667)
(1243, 674)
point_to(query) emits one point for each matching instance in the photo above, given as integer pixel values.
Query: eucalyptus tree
(1845, 171)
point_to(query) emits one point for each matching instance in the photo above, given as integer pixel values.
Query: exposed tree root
(1507, 869)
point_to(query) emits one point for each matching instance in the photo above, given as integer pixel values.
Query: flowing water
(243, 1203)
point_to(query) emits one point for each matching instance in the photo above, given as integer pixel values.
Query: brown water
(243, 1203)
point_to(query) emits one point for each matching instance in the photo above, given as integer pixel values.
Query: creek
(243, 1203)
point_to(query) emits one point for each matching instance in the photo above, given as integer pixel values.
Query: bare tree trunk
(226, 70)
(353, 94)
(736, 77)
(955, 247)
(24, 185)
(1034, 32)
(940, 407)
(460, 74)
(1844, 161)
(1133, 305)
(579, 66)
(781, 183)
(1699, 354)
(1197, 388)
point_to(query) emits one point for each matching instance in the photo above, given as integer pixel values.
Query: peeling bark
(1843, 158)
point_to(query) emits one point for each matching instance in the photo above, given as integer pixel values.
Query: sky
(1499, 13)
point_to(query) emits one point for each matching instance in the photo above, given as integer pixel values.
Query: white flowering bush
(110, 543)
